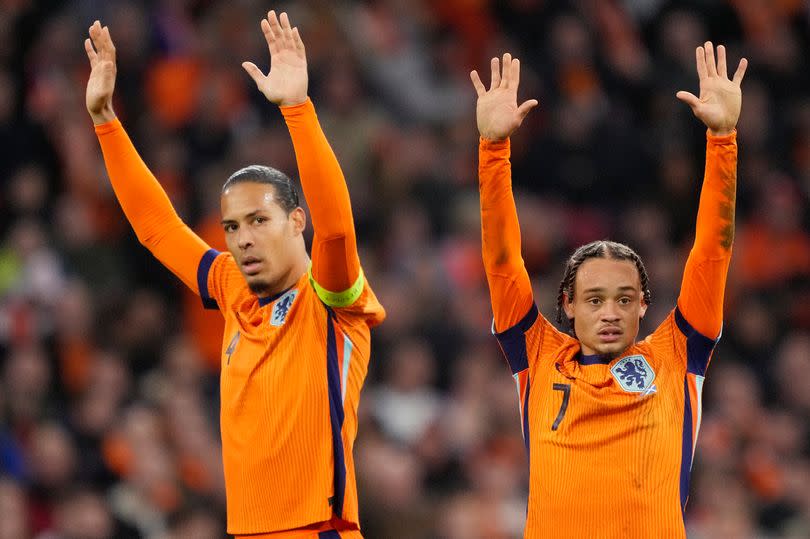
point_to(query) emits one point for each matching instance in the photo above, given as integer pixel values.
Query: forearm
(335, 262)
(704, 280)
(509, 284)
(147, 207)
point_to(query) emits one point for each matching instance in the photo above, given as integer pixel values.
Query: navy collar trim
(270, 299)
(593, 359)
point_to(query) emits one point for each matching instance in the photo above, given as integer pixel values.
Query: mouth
(610, 334)
(251, 265)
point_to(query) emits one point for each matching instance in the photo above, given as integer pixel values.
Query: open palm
(286, 83)
(720, 97)
(497, 111)
(101, 54)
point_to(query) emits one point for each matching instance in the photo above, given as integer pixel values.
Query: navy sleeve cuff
(513, 340)
(202, 278)
(698, 346)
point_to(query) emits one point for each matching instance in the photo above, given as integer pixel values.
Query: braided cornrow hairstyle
(598, 249)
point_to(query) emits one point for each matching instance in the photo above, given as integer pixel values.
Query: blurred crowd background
(109, 368)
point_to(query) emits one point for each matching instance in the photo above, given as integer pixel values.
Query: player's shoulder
(356, 305)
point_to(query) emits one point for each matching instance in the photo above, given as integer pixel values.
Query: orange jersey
(610, 442)
(292, 365)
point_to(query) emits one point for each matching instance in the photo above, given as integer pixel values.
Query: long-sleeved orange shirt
(610, 444)
(292, 365)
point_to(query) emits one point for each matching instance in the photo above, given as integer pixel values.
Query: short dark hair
(286, 195)
(599, 249)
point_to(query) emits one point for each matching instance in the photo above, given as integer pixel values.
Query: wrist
(293, 102)
(721, 131)
(105, 115)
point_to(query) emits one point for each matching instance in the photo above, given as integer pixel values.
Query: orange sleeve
(335, 262)
(510, 289)
(704, 278)
(148, 208)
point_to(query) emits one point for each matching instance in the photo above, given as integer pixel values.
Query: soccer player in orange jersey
(296, 345)
(609, 423)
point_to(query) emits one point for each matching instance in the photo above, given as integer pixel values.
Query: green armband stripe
(339, 299)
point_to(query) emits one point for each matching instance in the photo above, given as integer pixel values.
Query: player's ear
(298, 218)
(643, 310)
(568, 306)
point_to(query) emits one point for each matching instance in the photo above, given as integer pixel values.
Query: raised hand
(286, 84)
(497, 111)
(101, 53)
(720, 98)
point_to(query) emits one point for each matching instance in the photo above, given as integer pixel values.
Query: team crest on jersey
(634, 374)
(282, 307)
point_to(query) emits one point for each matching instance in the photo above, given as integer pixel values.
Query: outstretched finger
(688, 98)
(506, 68)
(95, 35)
(721, 62)
(740, 73)
(495, 80)
(514, 73)
(700, 61)
(525, 108)
(711, 67)
(91, 52)
(477, 84)
(274, 25)
(286, 30)
(254, 72)
(109, 48)
(272, 42)
(297, 41)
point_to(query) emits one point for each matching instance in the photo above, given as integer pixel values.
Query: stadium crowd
(109, 368)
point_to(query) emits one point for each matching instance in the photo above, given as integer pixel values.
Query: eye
(230, 227)
(625, 301)
(259, 220)
(594, 301)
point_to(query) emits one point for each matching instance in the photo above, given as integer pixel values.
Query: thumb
(688, 98)
(524, 108)
(254, 72)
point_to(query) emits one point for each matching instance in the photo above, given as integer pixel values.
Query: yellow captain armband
(338, 299)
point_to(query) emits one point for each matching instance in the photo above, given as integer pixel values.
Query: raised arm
(144, 202)
(335, 262)
(704, 279)
(498, 115)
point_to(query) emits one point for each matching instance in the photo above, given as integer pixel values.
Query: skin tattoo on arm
(727, 210)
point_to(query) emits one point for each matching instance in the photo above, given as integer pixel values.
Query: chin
(612, 349)
(258, 285)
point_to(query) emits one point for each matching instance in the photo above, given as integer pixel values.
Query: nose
(244, 238)
(610, 312)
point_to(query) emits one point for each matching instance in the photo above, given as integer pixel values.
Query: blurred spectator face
(84, 515)
(391, 475)
(680, 32)
(198, 524)
(53, 457)
(462, 517)
(183, 363)
(27, 378)
(28, 189)
(412, 366)
(737, 397)
(607, 305)
(13, 511)
(793, 370)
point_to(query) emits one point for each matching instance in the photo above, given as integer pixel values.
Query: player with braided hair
(609, 423)
(599, 249)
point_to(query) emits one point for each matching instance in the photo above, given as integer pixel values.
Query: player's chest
(586, 402)
(283, 330)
